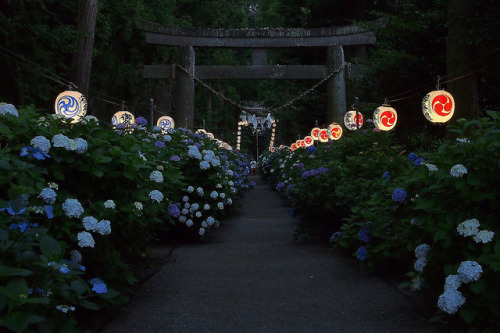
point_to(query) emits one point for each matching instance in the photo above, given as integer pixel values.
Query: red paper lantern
(315, 133)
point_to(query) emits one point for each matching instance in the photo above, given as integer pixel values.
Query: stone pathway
(249, 276)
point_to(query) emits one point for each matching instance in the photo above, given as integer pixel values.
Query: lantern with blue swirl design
(123, 117)
(165, 123)
(71, 104)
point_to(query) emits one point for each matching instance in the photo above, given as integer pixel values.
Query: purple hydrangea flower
(311, 150)
(386, 176)
(197, 144)
(300, 166)
(418, 161)
(399, 195)
(336, 235)
(197, 136)
(175, 158)
(190, 141)
(365, 234)
(174, 211)
(280, 187)
(141, 121)
(160, 144)
(361, 253)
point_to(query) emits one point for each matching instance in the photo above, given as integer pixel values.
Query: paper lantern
(438, 106)
(165, 123)
(293, 146)
(309, 141)
(323, 135)
(201, 131)
(71, 104)
(334, 131)
(123, 117)
(315, 133)
(210, 136)
(385, 118)
(352, 120)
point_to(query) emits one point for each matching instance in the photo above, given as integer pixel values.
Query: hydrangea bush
(433, 214)
(80, 203)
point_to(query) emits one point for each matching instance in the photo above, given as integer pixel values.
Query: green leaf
(110, 294)
(33, 319)
(468, 314)
(5, 165)
(79, 287)
(3, 302)
(58, 175)
(14, 271)
(50, 247)
(15, 321)
(89, 305)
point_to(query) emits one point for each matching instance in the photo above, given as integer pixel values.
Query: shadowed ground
(249, 276)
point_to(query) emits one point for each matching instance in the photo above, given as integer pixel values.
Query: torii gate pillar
(336, 95)
(184, 88)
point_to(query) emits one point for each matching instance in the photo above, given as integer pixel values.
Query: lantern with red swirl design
(323, 135)
(334, 131)
(293, 146)
(309, 141)
(438, 106)
(385, 118)
(315, 133)
(352, 119)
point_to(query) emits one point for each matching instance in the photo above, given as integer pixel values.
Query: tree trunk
(82, 59)
(458, 55)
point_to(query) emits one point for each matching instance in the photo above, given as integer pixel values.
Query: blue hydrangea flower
(422, 250)
(156, 176)
(452, 282)
(81, 145)
(104, 227)
(336, 235)
(72, 208)
(280, 185)
(48, 195)
(214, 195)
(386, 176)
(200, 191)
(60, 141)
(156, 195)
(469, 271)
(412, 157)
(98, 286)
(193, 152)
(311, 150)
(141, 121)
(167, 138)
(204, 165)
(361, 253)
(399, 195)
(365, 235)
(450, 301)
(49, 210)
(175, 158)
(90, 223)
(173, 211)
(41, 143)
(159, 144)
(85, 239)
(418, 161)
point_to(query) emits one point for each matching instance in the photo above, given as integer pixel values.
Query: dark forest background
(417, 41)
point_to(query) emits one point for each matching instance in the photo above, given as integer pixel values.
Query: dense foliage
(433, 213)
(81, 203)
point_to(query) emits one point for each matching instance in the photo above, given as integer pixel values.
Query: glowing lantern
(385, 118)
(315, 133)
(302, 143)
(352, 120)
(71, 104)
(309, 141)
(438, 106)
(293, 146)
(165, 123)
(334, 131)
(123, 117)
(210, 136)
(201, 131)
(323, 135)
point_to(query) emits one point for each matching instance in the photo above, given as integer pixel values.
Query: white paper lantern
(334, 131)
(438, 106)
(315, 133)
(309, 141)
(323, 135)
(210, 136)
(165, 123)
(352, 119)
(123, 117)
(385, 118)
(71, 104)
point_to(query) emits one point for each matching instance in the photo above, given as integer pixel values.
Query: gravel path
(249, 276)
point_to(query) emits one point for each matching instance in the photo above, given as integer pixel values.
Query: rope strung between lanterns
(345, 65)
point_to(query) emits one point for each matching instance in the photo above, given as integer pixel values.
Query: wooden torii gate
(258, 40)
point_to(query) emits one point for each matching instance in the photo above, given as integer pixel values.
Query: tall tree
(82, 60)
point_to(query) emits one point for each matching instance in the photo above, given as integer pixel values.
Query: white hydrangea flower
(88, 118)
(420, 264)
(65, 308)
(53, 186)
(452, 282)
(160, 168)
(218, 186)
(220, 205)
(483, 236)
(104, 227)
(206, 207)
(167, 138)
(41, 143)
(202, 231)
(185, 198)
(458, 170)
(204, 165)
(230, 183)
(187, 205)
(76, 256)
(272, 171)
(451, 300)
(210, 220)
(85, 239)
(214, 195)
(190, 189)
(200, 191)
(229, 201)
(431, 167)
(156, 195)
(73, 146)
(469, 271)
(222, 195)
(182, 219)
(48, 195)
(422, 250)
(60, 141)
(194, 207)
(72, 208)
(110, 204)
(189, 223)
(90, 223)
(230, 172)
(156, 176)
(468, 228)
(198, 214)
(138, 205)
(463, 140)
(184, 211)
